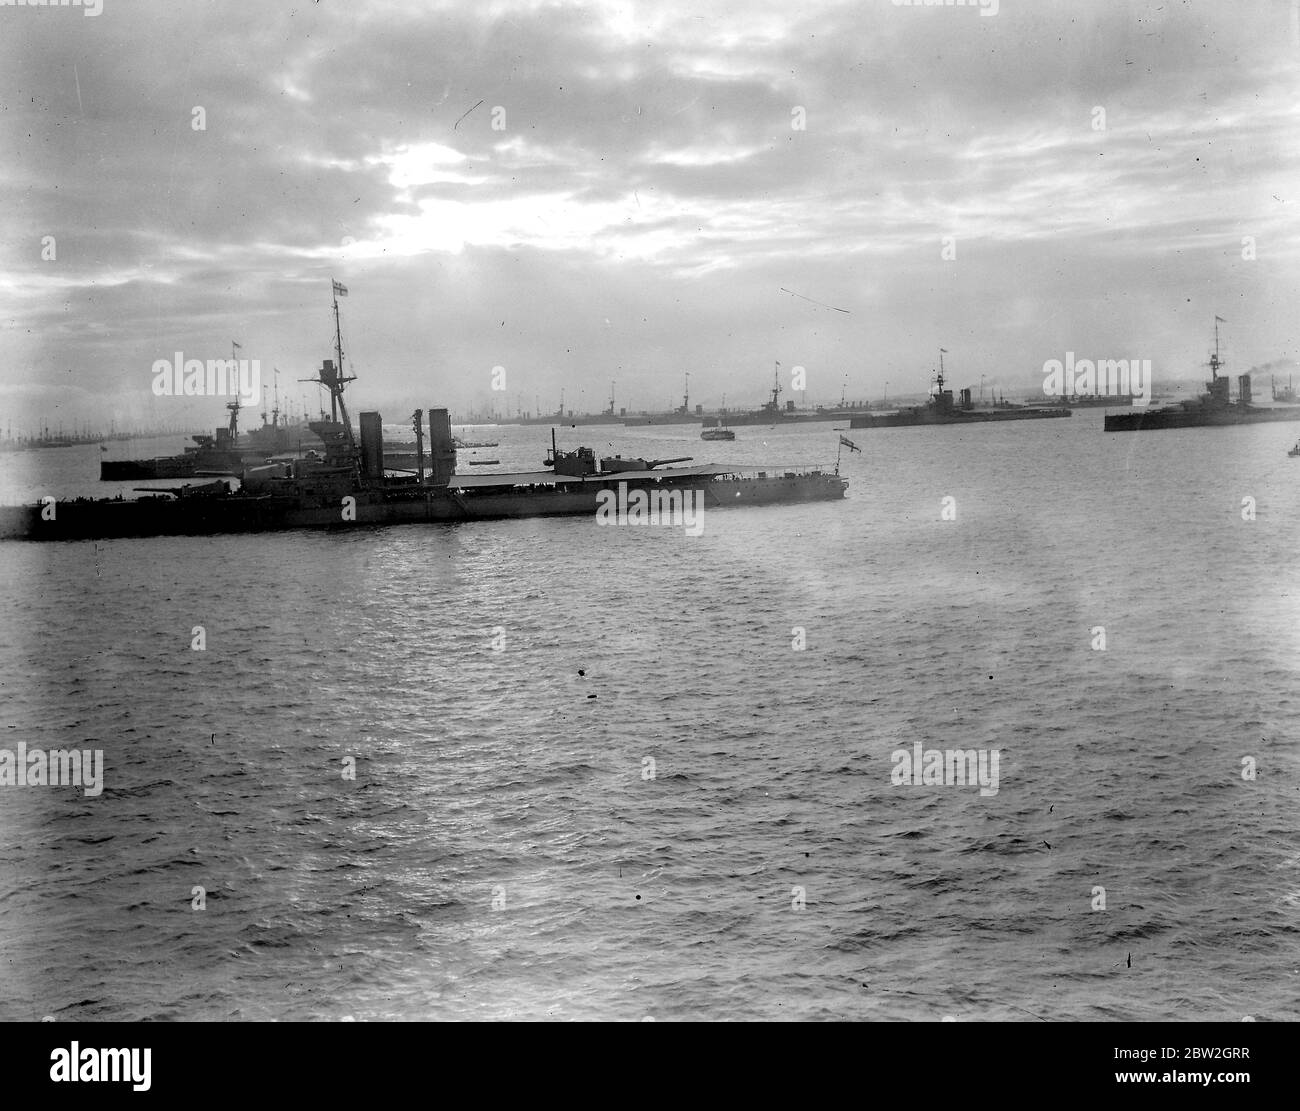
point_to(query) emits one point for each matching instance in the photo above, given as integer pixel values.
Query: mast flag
(339, 290)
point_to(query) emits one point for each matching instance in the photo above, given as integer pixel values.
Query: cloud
(551, 166)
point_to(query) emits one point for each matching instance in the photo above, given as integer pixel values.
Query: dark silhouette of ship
(352, 484)
(221, 453)
(681, 415)
(224, 452)
(1213, 409)
(568, 418)
(771, 413)
(941, 408)
(1093, 401)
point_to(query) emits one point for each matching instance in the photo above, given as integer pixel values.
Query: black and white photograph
(532, 511)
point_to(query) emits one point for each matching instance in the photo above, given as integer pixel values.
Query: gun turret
(618, 463)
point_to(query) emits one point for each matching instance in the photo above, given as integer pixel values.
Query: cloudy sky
(582, 193)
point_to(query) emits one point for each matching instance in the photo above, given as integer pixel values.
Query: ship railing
(751, 471)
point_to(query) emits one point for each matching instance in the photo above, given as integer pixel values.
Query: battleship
(567, 417)
(226, 452)
(213, 456)
(771, 413)
(681, 415)
(1213, 409)
(940, 408)
(351, 484)
(1092, 401)
(223, 452)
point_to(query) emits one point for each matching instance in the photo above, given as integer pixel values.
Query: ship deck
(548, 478)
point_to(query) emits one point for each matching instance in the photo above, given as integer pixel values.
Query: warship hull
(571, 421)
(212, 462)
(1094, 401)
(203, 510)
(222, 453)
(1140, 420)
(764, 418)
(919, 418)
(167, 466)
(193, 462)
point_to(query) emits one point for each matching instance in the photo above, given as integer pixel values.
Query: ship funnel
(372, 445)
(1243, 388)
(442, 448)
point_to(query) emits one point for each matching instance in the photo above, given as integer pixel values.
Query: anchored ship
(350, 486)
(681, 415)
(1093, 401)
(221, 452)
(1213, 409)
(940, 408)
(224, 452)
(353, 484)
(567, 417)
(771, 413)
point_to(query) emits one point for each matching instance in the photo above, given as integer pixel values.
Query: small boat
(717, 434)
(1295, 450)
(483, 462)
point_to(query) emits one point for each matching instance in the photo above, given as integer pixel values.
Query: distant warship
(940, 408)
(1209, 410)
